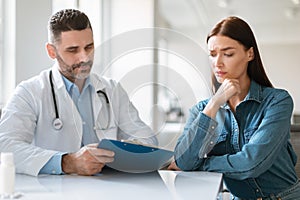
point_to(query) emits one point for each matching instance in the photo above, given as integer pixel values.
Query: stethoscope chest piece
(57, 124)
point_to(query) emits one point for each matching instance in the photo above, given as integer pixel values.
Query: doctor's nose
(84, 55)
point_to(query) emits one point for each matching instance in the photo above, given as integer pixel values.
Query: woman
(243, 130)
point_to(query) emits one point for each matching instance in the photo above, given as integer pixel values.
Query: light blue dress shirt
(250, 147)
(83, 102)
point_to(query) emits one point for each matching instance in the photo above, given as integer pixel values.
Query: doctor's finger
(94, 145)
(101, 152)
(103, 159)
(91, 169)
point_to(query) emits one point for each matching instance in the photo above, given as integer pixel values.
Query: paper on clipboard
(135, 158)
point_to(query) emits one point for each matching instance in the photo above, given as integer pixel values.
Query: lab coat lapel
(97, 104)
(101, 115)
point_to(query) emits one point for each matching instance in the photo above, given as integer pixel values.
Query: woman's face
(228, 58)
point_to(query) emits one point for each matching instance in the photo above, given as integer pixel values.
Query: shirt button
(53, 172)
(257, 190)
(211, 142)
(83, 123)
(213, 127)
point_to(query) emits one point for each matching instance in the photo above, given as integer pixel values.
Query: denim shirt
(250, 147)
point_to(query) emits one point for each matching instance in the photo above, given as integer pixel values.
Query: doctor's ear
(51, 50)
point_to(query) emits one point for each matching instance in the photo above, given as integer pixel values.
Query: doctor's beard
(76, 71)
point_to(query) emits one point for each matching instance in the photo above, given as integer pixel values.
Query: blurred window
(1, 48)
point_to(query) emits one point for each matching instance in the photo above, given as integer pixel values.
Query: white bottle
(7, 174)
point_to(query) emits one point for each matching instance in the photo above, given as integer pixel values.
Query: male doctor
(53, 121)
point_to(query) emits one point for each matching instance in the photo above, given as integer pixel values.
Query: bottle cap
(7, 158)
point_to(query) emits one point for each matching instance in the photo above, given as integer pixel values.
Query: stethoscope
(57, 122)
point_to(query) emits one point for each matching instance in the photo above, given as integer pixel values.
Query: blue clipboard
(136, 158)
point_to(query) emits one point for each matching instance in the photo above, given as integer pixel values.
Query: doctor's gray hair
(66, 20)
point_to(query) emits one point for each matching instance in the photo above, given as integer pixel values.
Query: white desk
(111, 184)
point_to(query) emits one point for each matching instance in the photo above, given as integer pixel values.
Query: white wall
(7, 74)
(282, 63)
(31, 36)
(25, 35)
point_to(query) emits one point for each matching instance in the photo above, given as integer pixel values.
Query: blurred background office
(155, 48)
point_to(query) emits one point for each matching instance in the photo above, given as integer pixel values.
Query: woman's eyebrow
(223, 49)
(227, 48)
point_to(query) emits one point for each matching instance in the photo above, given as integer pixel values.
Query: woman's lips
(220, 73)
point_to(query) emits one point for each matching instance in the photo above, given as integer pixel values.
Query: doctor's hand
(87, 161)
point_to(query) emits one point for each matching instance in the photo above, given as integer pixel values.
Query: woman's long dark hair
(237, 29)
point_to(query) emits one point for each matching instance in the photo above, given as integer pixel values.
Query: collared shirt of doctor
(29, 125)
(243, 130)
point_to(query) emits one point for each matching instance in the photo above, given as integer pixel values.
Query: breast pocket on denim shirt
(248, 134)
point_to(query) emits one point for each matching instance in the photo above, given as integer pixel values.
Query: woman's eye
(228, 54)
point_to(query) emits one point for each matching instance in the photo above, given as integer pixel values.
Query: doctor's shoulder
(34, 86)
(107, 83)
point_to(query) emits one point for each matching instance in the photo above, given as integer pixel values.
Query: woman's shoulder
(275, 92)
(276, 95)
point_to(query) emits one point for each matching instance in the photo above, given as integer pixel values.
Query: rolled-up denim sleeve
(197, 140)
(53, 166)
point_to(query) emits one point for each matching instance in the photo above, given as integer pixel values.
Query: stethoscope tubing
(104, 94)
(53, 95)
(107, 104)
(57, 122)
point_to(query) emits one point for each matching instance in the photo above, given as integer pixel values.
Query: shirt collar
(69, 85)
(255, 92)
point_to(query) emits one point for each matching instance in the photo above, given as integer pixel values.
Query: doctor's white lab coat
(26, 126)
